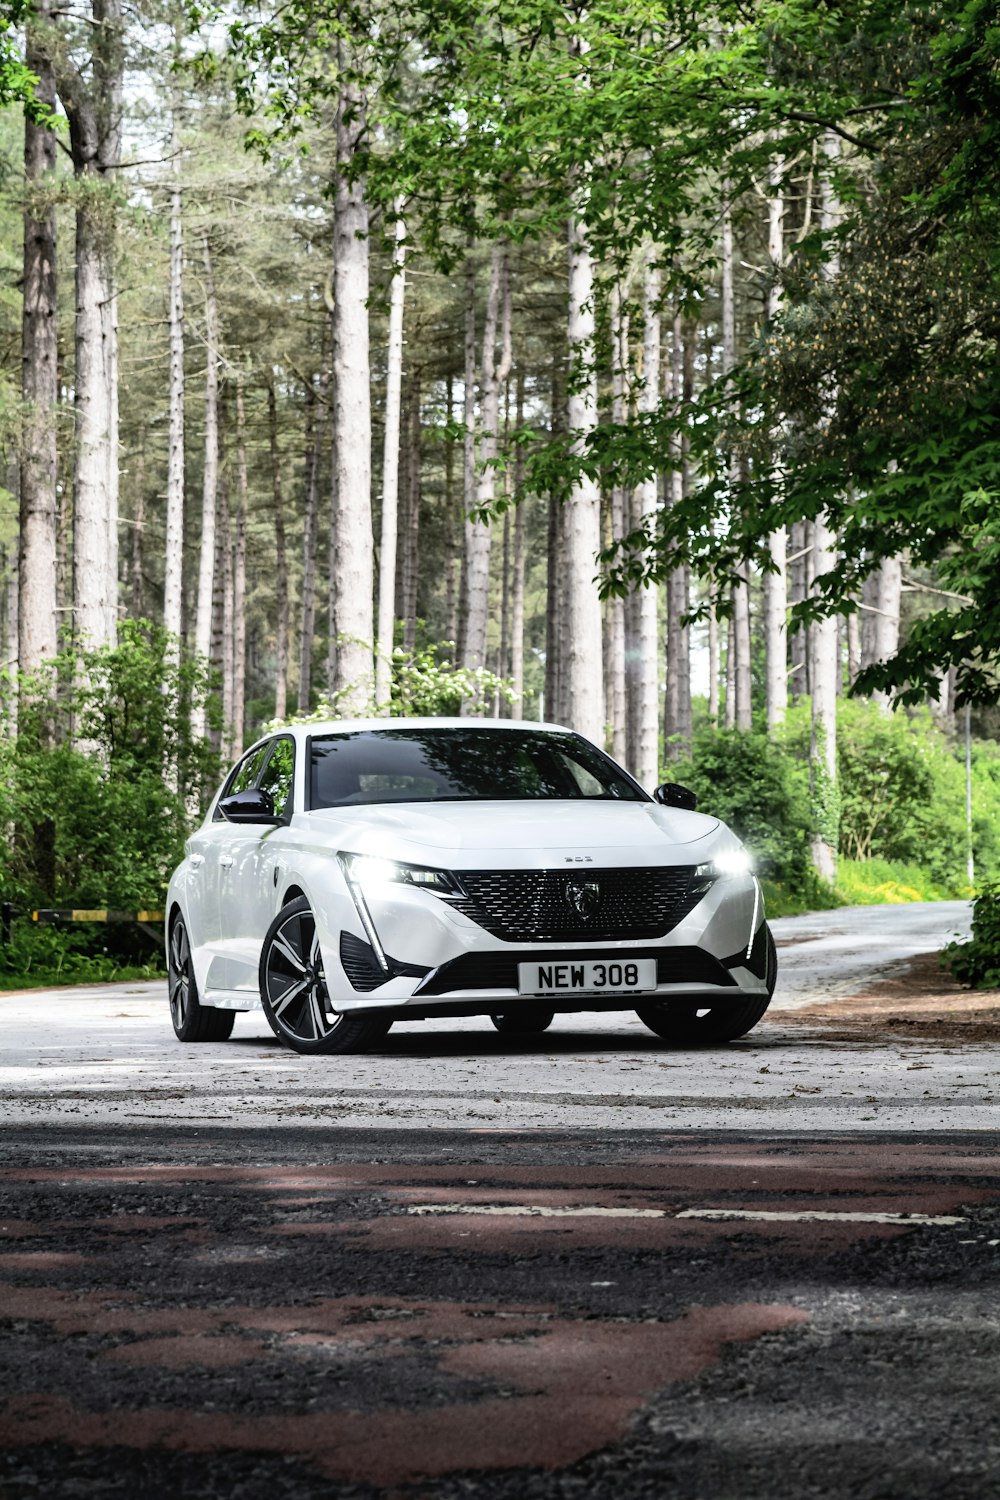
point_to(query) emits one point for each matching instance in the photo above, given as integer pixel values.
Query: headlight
(729, 862)
(368, 871)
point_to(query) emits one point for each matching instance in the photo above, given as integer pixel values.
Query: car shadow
(421, 1043)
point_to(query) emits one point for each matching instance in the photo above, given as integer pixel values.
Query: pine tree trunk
(240, 579)
(390, 474)
(210, 481)
(800, 543)
(94, 111)
(677, 715)
(824, 673)
(614, 644)
(453, 521)
(227, 663)
(645, 756)
(138, 532)
(581, 617)
(775, 584)
(352, 550)
(478, 534)
(517, 581)
(554, 701)
(410, 555)
(37, 634)
(310, 529)
(738, 667)
(468, 439)
(281, 583)
(173, 562)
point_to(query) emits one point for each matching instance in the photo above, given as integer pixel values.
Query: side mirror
(672, 794)
(252, 806)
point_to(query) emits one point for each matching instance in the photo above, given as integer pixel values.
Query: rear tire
(294, 995)
(193, 1022)
(689, 1023)
(531, 1023)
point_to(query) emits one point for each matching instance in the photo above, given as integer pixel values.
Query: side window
(277, 777)
(245, 774)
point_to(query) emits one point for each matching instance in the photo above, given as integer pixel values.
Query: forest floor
(922, 1001)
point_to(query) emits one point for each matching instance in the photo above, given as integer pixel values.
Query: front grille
(537, 906)
(498, 971)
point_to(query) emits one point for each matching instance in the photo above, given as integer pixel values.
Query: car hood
(466, 833)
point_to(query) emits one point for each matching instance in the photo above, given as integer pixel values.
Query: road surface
(591, 1268)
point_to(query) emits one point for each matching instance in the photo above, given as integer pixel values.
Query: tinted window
(277, 777)
(452, 765)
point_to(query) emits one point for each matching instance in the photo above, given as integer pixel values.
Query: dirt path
(923, 1001)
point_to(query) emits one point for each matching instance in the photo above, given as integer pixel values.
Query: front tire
(688, 1023)
(294, 995)
(517, 1023)
(193, 1022)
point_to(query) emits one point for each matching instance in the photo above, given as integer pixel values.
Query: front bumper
(442, 963)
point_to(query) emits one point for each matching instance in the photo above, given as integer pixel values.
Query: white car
(355, 873)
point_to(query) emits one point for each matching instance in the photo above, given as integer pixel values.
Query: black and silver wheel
(294, 995)
(691, 1023)
(193, 1022)
(522, 1023)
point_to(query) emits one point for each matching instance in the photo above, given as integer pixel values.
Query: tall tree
(494, 370)
(173, 561)
(775, 581)
(281, 579)
(210, 480)
(645, 757)
(351, 540)
(824, 664)
(738, 705)
(390, 470)
(581, 648)
(37, 564)
(93, 106)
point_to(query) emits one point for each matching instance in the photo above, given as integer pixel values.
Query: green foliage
(901, 794)
(100, 820)
(39, 955)
(761, 791)
(977, 962)
(425, 684)
(883, 882)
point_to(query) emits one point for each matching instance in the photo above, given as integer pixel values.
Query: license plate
(593, 976)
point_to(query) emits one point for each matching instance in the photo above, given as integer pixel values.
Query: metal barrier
(45, 914)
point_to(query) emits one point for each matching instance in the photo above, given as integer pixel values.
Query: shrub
(761, 791)
(977, 962)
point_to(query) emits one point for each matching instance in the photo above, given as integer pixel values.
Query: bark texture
(94, 109)
(37, 633)
(645, 751)
(580, 626)
(478, 534)
(351, 545)
(310, 531)
(210, 479)
(173, 563)
(390, 474)
(281, 580)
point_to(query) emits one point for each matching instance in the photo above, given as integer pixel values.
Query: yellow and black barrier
(76, 914)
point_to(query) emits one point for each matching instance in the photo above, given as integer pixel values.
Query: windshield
(458, 765)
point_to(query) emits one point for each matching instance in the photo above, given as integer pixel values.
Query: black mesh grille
(498, 971)
(363, 968)
(532, 906)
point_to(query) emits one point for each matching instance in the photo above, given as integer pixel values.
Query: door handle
(226, 861)
(196, 859)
